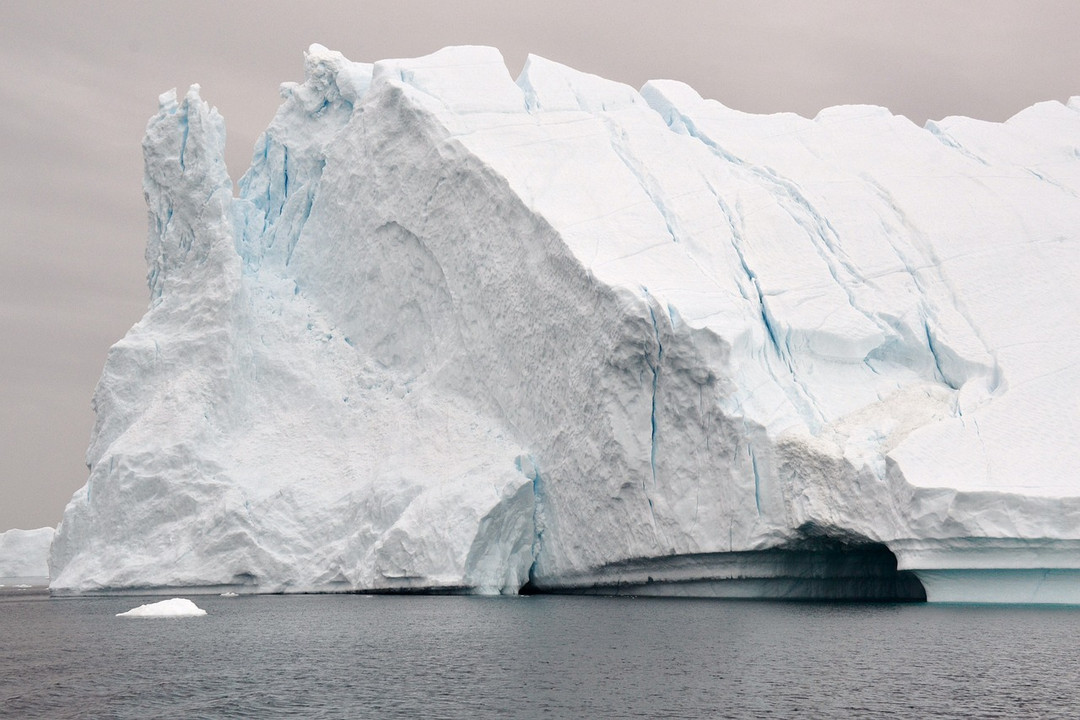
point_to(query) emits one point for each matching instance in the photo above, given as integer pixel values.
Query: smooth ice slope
(459, 332)
(25, 553)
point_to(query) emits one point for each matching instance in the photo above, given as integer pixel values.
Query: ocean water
(354, 656)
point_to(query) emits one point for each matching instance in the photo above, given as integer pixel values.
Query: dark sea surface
(354, 656)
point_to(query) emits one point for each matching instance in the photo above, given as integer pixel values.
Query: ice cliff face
(464, 333)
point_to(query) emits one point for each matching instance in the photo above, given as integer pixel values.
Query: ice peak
(551, 86)
(167, 101)
(461, 79)
(329, 77)
(184, 160)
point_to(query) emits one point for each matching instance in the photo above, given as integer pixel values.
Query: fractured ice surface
(459, 332)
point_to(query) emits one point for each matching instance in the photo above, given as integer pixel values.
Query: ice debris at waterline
(465, 334)
(177, 607)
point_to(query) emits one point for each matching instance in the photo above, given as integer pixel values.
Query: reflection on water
(541, 656)
(18, 587)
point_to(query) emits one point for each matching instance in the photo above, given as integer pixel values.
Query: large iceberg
(462, 333)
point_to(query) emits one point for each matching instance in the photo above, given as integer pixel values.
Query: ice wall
(459, 332)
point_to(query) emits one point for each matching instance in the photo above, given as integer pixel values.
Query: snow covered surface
(25, 553)
(177, 607)
(461, 333)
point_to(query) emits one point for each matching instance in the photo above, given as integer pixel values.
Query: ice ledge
(994, 570)
(463, 79)
(818, 570)
(1043, 586)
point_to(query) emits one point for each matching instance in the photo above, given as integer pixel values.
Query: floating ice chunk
(177, 607)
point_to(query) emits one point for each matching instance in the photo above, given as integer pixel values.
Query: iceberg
(461, 333)
(175, 608)
(25, 553)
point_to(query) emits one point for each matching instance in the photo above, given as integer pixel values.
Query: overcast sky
(79, 80)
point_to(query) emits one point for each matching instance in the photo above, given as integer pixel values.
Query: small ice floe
(177, 607)
(229, 594)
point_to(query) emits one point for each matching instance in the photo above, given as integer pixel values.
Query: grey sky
(79, 80)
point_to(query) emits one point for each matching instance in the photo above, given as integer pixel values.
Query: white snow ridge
(465, 334)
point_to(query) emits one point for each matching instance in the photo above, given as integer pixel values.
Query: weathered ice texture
(462, 333)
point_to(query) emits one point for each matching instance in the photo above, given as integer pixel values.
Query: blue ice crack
(757, 478)
(937, 359)
(654, 428)
(285, 175)
(618, 145)
(185, 127)
(801, 397)
(789, 197)
(537, 518)
(655, 382)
